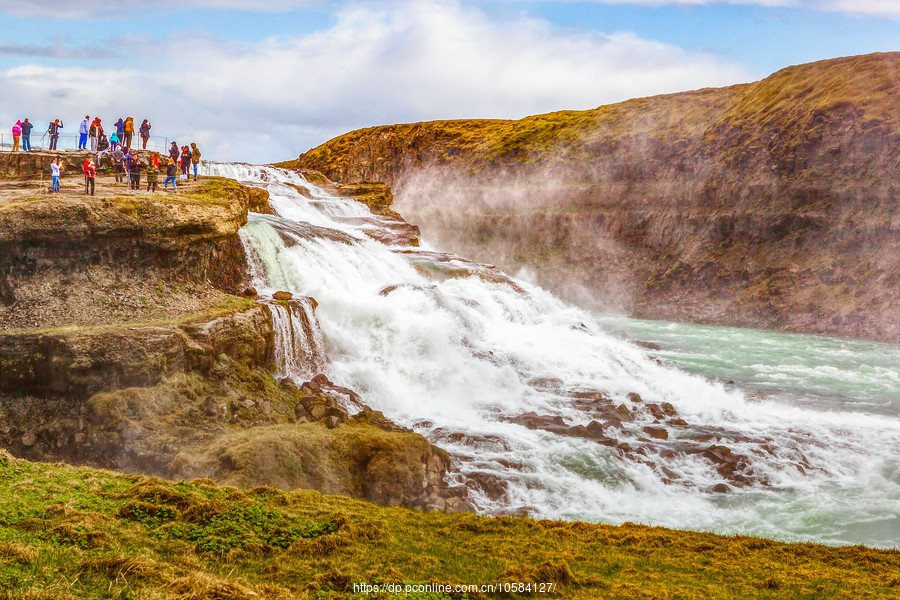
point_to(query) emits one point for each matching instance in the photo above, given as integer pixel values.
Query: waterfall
(464, 355)
(299, 348)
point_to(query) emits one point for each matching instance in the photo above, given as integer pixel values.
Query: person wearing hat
(17, 134)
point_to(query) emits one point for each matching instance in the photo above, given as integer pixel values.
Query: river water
(455, 350)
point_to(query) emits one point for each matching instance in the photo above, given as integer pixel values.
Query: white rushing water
(454, 349)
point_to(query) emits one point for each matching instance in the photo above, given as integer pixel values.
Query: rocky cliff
(124, 344)
(772, 204)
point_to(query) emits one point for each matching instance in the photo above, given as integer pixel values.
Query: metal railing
(69, 141)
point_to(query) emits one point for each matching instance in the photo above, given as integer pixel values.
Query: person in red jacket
(90, 169)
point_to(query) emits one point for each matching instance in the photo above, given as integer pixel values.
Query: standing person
(170, 175)
(195, 158)
(185, 162)
(114, 140)
(53, 130)
(129, 131)
(134, 170)
(55, 171)
(90, 169)
(96, 131)
(126, 163)
(152, 176)
(145, 132)
(173, 151)
(155, 159)
(118, 158)
(120, 130)
(83, 130)
(17, 133)
(27, 126)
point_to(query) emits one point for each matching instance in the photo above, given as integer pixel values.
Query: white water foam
(450, 350)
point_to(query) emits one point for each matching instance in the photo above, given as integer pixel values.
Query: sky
(264, 80)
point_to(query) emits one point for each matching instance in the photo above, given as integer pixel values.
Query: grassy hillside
(69, 532)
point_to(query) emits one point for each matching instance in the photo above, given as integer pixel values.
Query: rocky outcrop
(194, 234)
(771, 204)
(79, 362)
(148, 365)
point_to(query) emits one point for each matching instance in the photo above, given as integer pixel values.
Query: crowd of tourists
(127, 166)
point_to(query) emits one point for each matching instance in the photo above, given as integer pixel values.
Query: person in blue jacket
(83, 133)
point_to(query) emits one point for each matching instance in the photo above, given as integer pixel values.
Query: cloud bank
(377, 65)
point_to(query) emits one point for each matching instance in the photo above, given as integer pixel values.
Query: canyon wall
(772, 204)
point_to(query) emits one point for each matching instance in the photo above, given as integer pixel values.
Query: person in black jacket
(171, 169)
(53, 130)
(135, 169)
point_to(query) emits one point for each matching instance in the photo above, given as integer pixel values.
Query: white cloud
(73, 9)
(415, 61)
(860, 7)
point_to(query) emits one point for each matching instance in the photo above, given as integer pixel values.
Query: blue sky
(263, 81)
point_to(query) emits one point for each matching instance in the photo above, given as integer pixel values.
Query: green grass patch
(68, 532)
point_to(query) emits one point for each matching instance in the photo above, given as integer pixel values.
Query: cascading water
(299, 348)
(457, 351)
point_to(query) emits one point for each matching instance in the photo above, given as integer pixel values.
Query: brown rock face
(771, 204)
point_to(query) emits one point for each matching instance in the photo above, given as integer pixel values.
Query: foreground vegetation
(68, 532)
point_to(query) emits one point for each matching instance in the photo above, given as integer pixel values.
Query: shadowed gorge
(771, 204)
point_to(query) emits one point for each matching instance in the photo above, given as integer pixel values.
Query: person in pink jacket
(17, 134)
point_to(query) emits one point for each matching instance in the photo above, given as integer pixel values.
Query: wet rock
(614, 424)
(595, 396)
(532, 420)
(250, 292)
(282, 295)
(656, 410)
(647, 345)
(634, 397)
(720, 488)
(623, 414)
(657, 433)
(546, 384)
(679, 422)
(492, 486)
(669, 410)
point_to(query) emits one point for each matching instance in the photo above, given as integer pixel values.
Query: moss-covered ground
(69, 532)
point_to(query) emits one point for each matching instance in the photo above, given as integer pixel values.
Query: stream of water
(457, 350)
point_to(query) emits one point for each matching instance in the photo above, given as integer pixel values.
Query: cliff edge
(771, 204)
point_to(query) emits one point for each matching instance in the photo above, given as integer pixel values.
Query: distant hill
(770, 204)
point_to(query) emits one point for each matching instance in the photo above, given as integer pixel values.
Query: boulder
(282, 295)
(657, 433)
